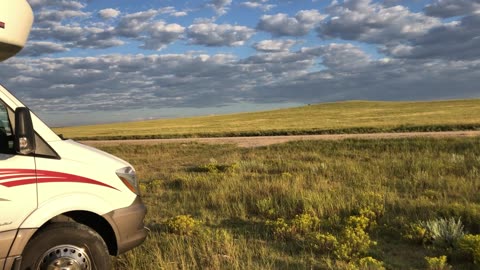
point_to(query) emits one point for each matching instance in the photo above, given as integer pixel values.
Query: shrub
(470, 244)
(444, 232)
(156, 185)
(211, 167)
(437, 263)
(304, 223)
(373, 202)
(416, 233)
(266, 207)
(296, 228)
(338, 265)
(143, 188)
(355, 241)
(369, 263)
(182, 225)
(214, 167)
(372, 217)
(358, 222)
(279, 228)
(322, 243)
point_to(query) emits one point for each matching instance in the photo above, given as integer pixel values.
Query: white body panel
(103, 194)
(16, 18)
(16, 202)
(65, 203)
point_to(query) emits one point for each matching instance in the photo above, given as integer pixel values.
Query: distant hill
(324, 118)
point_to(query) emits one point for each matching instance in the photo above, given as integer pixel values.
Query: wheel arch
(66, 210)
(56, 243)
(92, 220)
(98, 224)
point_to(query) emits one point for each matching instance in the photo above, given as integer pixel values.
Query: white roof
(16, 18)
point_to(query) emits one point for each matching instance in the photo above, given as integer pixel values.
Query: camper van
(63, 205)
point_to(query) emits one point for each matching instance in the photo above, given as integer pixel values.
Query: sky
(95, 61)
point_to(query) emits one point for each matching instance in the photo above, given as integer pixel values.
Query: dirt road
(268, 140)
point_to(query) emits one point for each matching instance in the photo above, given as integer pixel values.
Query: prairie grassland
(303, 205)
(340, 117)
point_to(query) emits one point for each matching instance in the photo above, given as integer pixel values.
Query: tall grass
(233, 193)
(328, 118)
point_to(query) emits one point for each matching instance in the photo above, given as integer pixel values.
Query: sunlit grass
(341, 117)
(232, 192)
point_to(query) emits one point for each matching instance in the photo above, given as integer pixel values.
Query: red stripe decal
(19, 182)
(73, 180)
(43, 177)
(10, 171)
(16, 175)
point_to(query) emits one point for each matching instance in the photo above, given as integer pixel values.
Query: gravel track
(268, 140)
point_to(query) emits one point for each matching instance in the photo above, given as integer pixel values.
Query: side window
(6, 138)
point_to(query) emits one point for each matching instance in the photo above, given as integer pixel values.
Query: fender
(66, 203)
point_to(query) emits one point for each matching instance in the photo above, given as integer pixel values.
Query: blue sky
(96, 61)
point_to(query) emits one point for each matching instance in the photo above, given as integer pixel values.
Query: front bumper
(128, 225)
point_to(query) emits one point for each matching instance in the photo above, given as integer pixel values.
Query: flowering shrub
(182, 225)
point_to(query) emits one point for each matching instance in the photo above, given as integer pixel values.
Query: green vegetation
(327, 118)
(437, 263)
(471, 245)
(443, 232)
(353, 204)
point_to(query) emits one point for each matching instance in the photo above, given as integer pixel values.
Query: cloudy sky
(98, 61)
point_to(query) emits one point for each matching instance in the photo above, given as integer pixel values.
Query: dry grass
(233, 193)
(341, 117)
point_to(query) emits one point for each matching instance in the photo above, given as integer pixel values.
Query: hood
(81, 153)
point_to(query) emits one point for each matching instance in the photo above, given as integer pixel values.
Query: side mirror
(24, 132)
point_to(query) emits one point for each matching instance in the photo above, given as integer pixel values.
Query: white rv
(63, 205)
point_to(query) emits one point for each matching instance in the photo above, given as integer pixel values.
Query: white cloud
(171, 11)
(155, 34)
(455, 41)
(344, 57)
(71, 36)
(425, 57)
(49, 17)
(258, 5)
(37, 48)
(274, 45)
(366, 21)
(220, 6)
(160, 34)
(61, 4)
(179, 14)
(282, 25)
(452, 8)
(57, 28)
(115, 82)
(133, 24)
(109, 13)
(210, 34)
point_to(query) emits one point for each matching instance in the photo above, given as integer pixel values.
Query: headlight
(129, 178)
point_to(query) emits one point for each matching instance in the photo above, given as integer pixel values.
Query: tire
(66, 245)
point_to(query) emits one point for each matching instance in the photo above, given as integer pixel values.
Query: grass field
(354, 204)
(341, 117)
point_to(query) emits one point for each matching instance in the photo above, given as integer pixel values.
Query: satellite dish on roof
(16, 18)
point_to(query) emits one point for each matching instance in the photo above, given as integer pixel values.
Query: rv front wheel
(66, 246)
